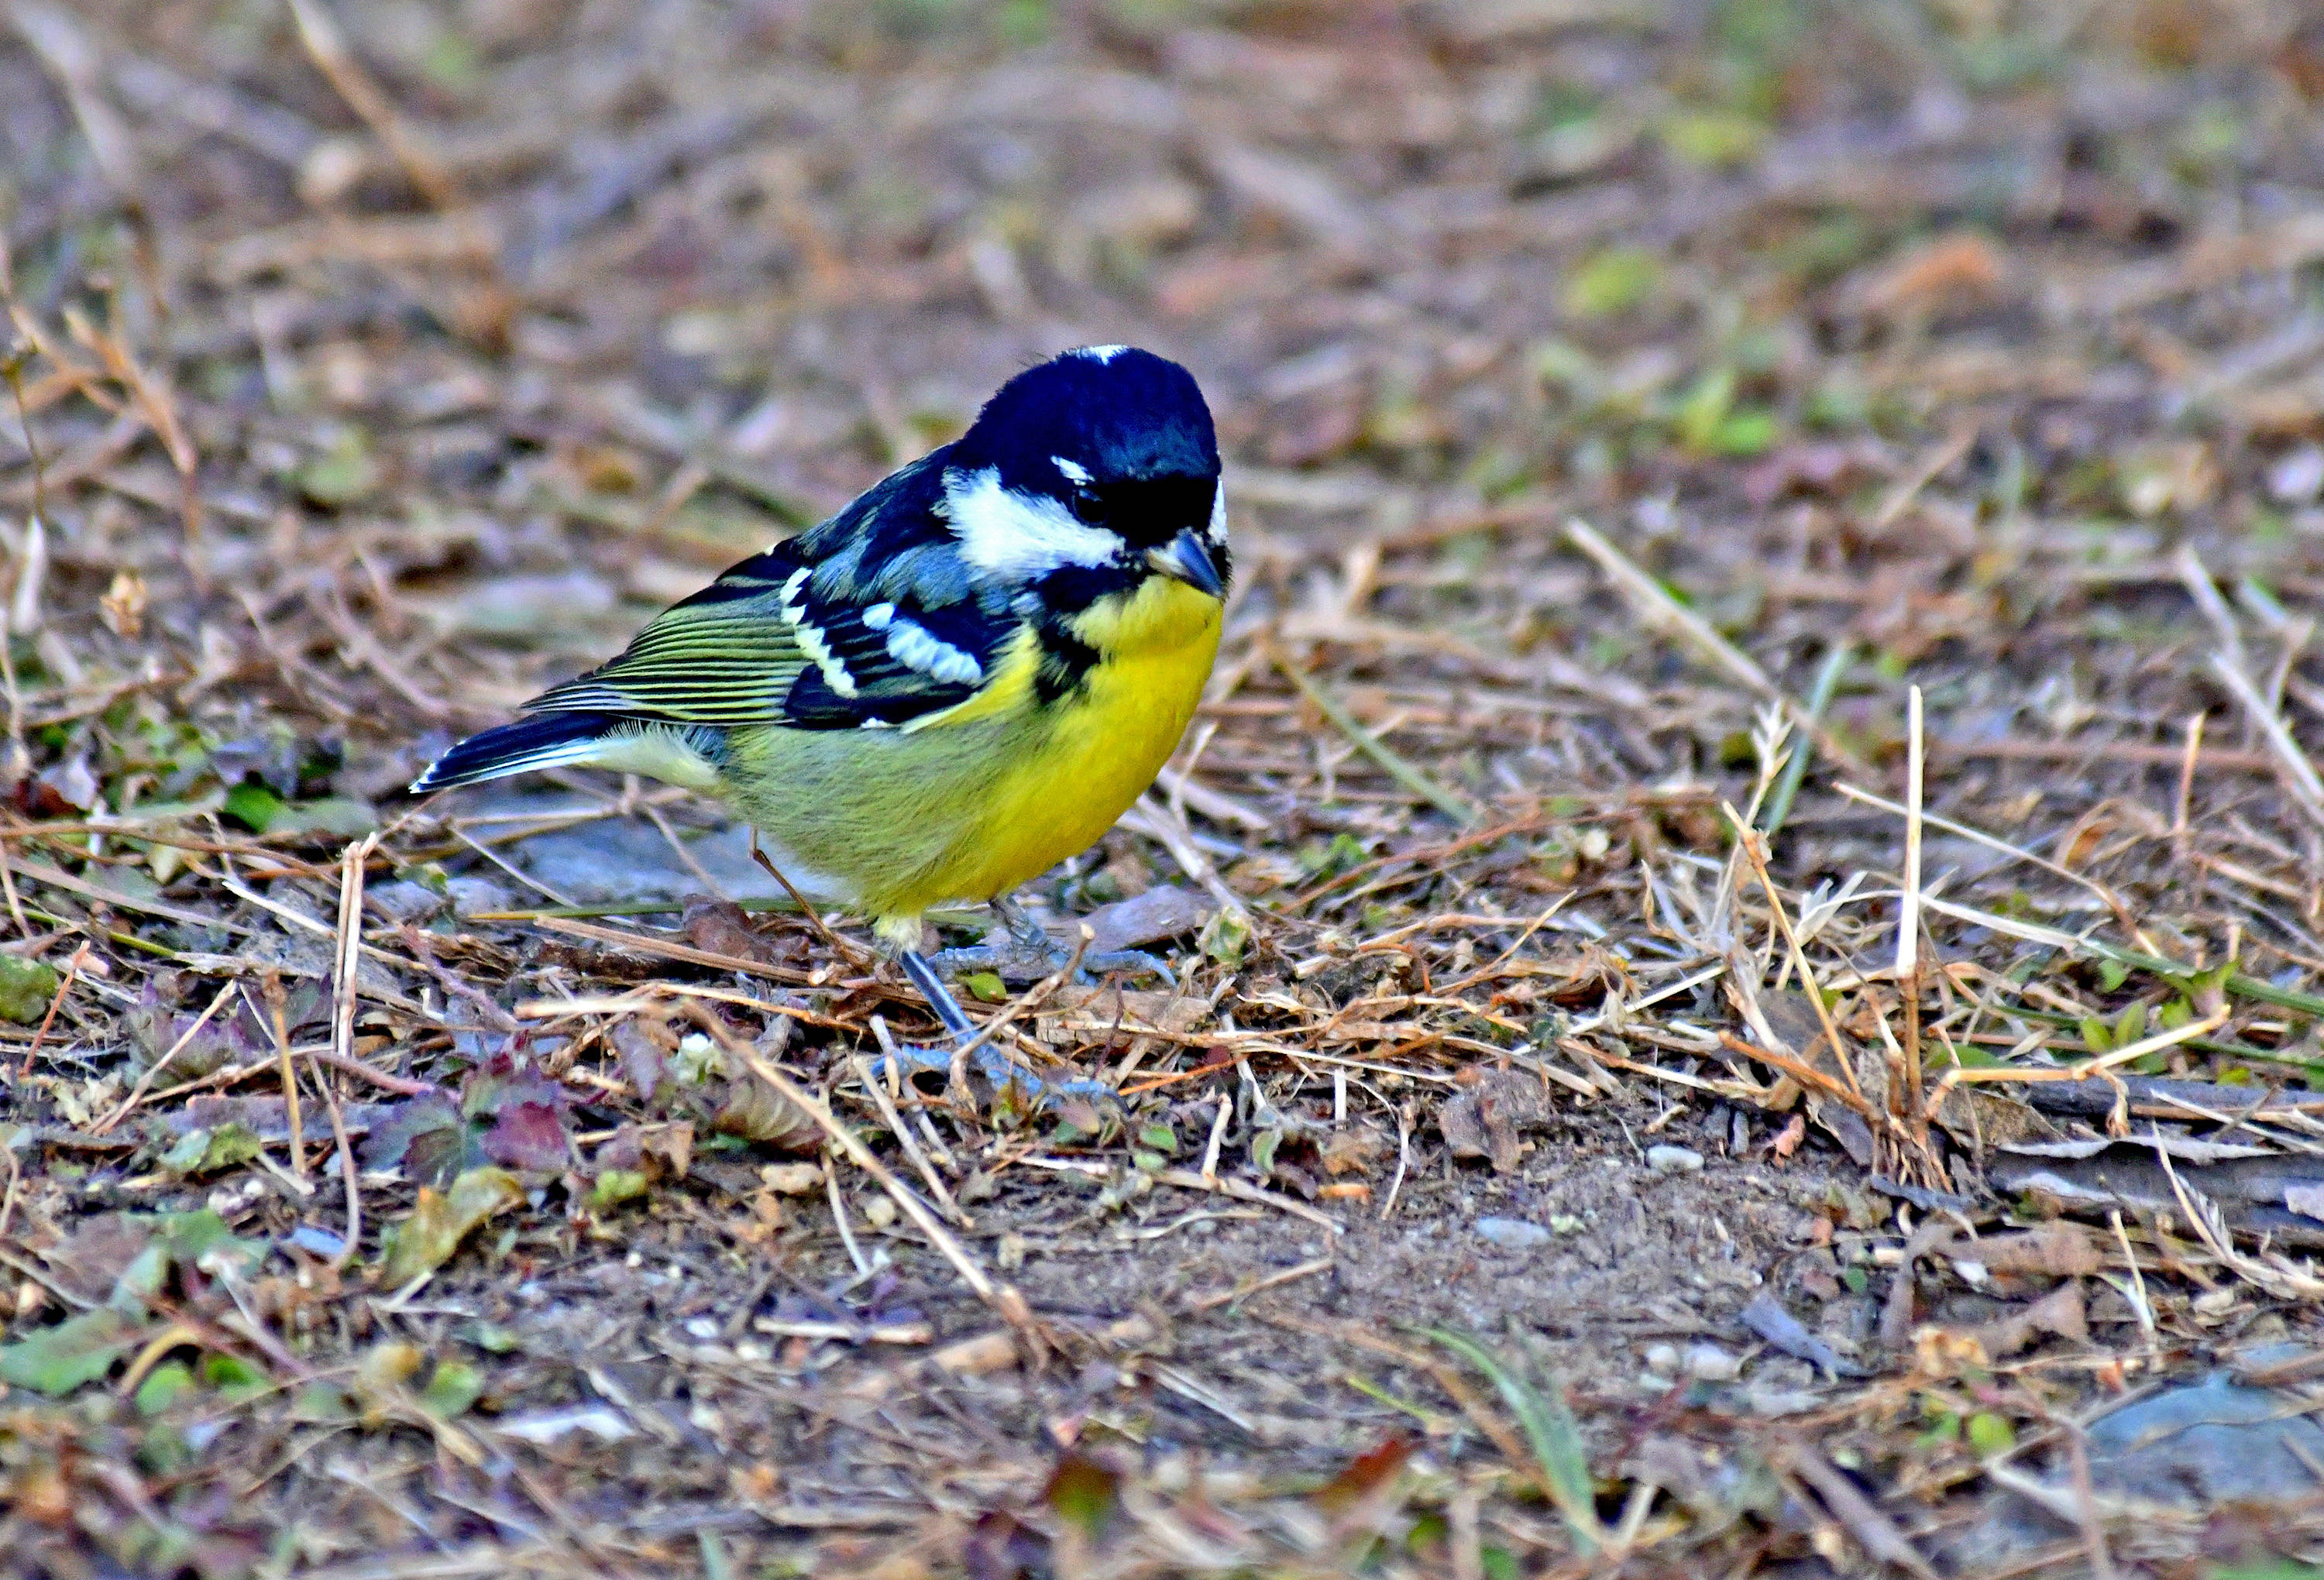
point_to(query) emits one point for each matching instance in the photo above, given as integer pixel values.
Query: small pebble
(2298, 477)
(1661, 1359)
(321, 1242)
(1512, 1233)
(1706, 1362)
(1673, 1159)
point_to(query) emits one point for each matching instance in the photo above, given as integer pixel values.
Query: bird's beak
(1187, 559)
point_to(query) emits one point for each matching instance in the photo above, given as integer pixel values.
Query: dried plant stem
(277, 1021)
(937, 1189)
(145, 1081)
(56, 1003)
(1396, 765)
(1905, 1095)
(2298, 774)
(1749, 840)
(328, 48)
(2097, 1065)
(1004, 1299)
(1778, 804)
(1659, 609)
(348, 1175)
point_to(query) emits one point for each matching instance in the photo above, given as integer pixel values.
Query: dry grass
(1755, 797)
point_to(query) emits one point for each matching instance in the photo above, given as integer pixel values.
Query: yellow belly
(967, 805)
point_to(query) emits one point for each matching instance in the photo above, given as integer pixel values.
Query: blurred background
(532, 310)
(379, 362)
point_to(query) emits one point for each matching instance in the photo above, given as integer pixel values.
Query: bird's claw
(996, 1069)
(1018, 963)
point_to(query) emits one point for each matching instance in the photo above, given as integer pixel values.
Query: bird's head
(1088, 475)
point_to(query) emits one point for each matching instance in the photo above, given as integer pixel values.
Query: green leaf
(2112, 974)
(80, 1349)
(1991, 1434)
(615, 1186)
(1158, 1138)
(207, 1241)
(205, 1152)
(164, 1386)
(986, 986)
(343, 815)
(234, 1376)
(1262, 1149)
(341, 474)
(452, 1389)
(1224, 937)
(1712, 139)
(1082, 1492)
(1612, 282)
(492, 1337)
(2130, 1026)
(1551, 1431)
(1745, 434)
(426, 1239)
(2097, 1036)
(1706, 406)
(254, 807)
(27, 988)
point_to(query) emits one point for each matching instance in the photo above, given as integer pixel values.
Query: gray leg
(932, 988)
(990, 1061)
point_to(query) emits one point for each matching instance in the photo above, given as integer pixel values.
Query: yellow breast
(1090, 754)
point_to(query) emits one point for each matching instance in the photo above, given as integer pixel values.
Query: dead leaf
(425, 1240)
(2061, 1250)
(2060, 1312)
(1482, 1119)
(1165, 911)
(1964, 263)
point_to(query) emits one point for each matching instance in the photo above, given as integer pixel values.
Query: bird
(959, 680)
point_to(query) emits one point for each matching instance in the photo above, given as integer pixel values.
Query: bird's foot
(994, 1067)
(1018, 966)
(987, 1061)
(1031, 953)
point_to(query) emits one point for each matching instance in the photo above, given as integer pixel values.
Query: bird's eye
(1087, 506)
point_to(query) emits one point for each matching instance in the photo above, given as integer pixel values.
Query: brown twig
(1002, 1298)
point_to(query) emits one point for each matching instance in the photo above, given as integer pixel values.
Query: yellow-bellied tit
(957, 682)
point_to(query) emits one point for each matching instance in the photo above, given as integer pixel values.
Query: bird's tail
(539, 740)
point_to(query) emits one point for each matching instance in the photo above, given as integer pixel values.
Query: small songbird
(955, 683)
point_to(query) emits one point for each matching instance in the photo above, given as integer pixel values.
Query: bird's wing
(872, 619)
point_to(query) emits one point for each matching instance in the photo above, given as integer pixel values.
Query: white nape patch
(915, 647)
(1099, 354)
(1015, 537)
(1074, 470)
(878, 616)
(1217, 531)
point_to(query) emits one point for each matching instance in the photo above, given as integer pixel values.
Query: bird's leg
(924, 976)
(990, 1062)
(1031, 954)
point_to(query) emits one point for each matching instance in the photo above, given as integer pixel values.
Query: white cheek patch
(1014, 536)
(1217, 531)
